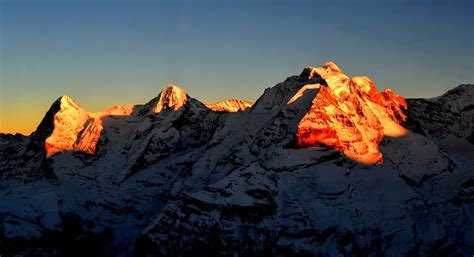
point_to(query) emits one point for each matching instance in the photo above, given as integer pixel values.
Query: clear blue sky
(114, 52)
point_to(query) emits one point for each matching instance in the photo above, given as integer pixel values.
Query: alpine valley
(320, 165)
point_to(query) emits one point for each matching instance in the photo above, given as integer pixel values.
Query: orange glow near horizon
(24, 121)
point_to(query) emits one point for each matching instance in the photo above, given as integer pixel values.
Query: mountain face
(73, 129)
(349, 115)
(320, 165)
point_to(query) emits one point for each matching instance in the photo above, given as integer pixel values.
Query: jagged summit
(328, 67)
(335, 111)
(171, 97)
(46, 126)
(332, 66)
(67, 101)
(69, 127)
(67, 120)
(63, 102)
(350, 115)
(309, 71)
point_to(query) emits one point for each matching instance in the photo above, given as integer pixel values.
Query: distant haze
(102, 53)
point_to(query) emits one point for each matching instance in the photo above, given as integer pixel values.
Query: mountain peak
(350, 115)
(59, 129)
(172, 86)
(171, 96)
(329, 65)
(66, 102)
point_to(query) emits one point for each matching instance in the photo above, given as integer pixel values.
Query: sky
(106, 52)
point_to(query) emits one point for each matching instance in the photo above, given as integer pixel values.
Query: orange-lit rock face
(231, 105)
(74, 129)
(350, 115)
(172, 97)
(78, 130)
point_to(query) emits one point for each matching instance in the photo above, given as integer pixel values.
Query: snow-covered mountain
(349, 115)
(320, 165)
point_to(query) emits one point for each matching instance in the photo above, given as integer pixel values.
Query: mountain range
(321, 164)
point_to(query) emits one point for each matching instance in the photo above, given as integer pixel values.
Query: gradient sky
(102, 53)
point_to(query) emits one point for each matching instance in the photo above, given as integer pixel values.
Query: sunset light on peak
(350, 115)
(171, 97)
